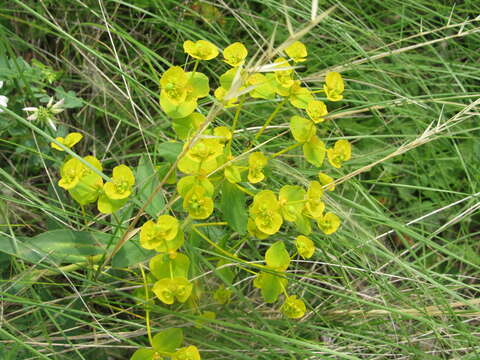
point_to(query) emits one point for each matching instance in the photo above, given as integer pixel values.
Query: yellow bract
(262, 86)
(69, 141)
(283, 76)
(205, 150)
(265, 211)
(235, 54)
(302, 129)
(254, 231)
(173, 84)
(71, 171)
(326, 180)
(223, 133)
(333, 86)
(328, 223)
(197, 204)
(299, 96)
(187, 353)
(297, 51)
(316, 110)
(305, 246)
(314, 206)
(291, 199)
(201, 49)
(220, 93)
(341, 151)
(170, 289)
(293, 308)
(162, 232)
(256, 162)
(121, 185)
(222, 295)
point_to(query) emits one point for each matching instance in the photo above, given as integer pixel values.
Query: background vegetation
(399, 280)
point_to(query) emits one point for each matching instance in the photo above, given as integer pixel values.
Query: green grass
(399, 280)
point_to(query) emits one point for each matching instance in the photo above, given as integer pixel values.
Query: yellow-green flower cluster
(293, 204)
(83, 180)
(166, 344)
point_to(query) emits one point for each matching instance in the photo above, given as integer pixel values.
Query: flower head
(326, 180)
(69, 141)
(187, 353)
(160, 233)
(297, 51)
(328, 223)
(122, 183)
(293, 308)
(235, 54)
(46, 113)
(173, 84)
(170, 289)
(201, 49)
(314, 206)
(341, 151)
(265, 211)
(256, 162)
(305, 246)
(71, 172)
(316, 110)
(334, 86)
(197, 203)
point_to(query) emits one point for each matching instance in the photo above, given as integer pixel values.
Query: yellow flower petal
(201, 49)
(235, 54)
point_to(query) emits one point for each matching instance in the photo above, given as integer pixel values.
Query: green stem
(241, 188)
(225, 252)
(234, 124)
(293, 146)
(271, 117)
(195, 67)
(147, 307)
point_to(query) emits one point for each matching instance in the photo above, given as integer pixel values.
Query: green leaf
(187, 126)
(143, 354)
(148, 181)
(168, 340)
(169, 150)
(65, 246)
(314, 151)
(131, 254)
(233, 207)
(277, 256)
(71, 100)
(163, 267)
(162, 169)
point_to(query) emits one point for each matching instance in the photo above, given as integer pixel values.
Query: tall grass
(400, 280)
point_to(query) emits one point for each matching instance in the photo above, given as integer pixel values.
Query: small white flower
(46, 113)
(3, 99)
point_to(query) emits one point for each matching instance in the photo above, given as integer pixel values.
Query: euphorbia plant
(218, 172)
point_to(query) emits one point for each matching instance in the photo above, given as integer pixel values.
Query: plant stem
(271, 117)
(284, 150)
(147, 308)
(234, 124)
